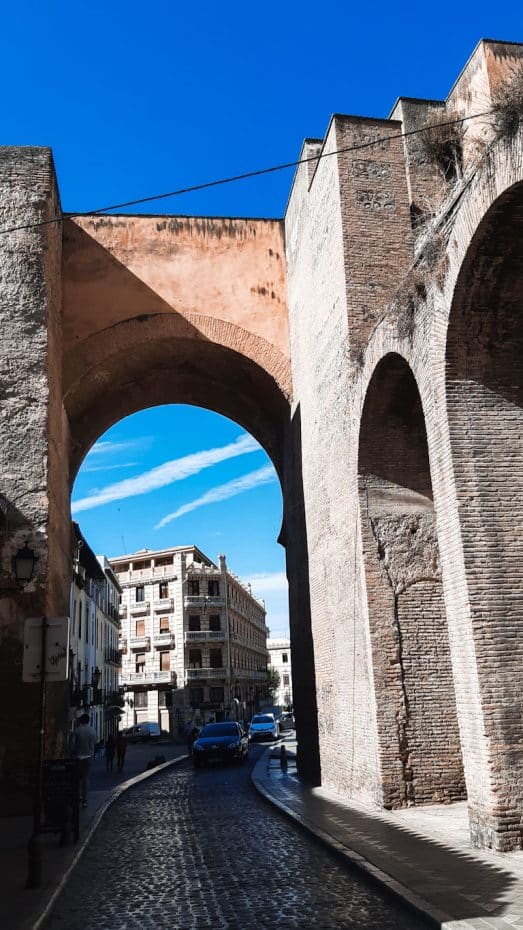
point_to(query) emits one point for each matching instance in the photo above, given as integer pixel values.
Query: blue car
(220, 742)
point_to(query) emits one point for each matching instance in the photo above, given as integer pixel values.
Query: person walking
(83, 743)
(121, 748)
(110, 749)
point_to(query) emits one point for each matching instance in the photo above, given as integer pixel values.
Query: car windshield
(219, 729)
(263, 718)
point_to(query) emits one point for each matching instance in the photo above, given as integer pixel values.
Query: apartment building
(280, 659)
(193, 639)
(94, 654)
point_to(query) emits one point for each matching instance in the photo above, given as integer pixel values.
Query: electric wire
(244, 176)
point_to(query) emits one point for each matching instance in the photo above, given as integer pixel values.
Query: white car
(263, 726)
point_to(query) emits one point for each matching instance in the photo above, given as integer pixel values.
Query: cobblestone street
(189, 850)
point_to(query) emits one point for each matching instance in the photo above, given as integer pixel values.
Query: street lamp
(23, 564)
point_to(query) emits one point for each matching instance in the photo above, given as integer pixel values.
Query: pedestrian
(121, 747)
(83, 743)
(191, 733)
(110, 749)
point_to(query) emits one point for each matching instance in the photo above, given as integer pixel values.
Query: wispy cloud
(223, 492)
(108, 447)
(92, 468)
(168, 473)
(265, 582)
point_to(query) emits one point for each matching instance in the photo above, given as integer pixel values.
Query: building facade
(94, 658)
(280, 659)
(193, 639)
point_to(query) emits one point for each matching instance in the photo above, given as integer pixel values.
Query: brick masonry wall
(319, 343)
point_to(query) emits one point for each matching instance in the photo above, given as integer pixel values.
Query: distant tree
(273, 681)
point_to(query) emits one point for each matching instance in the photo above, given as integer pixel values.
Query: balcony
(204, 636)
(203, 601)
(122, 611)
(163, 603)
(198, 673)
(140, 607)
(141, 642)
(145, 678)
(163, 639)
(122, 645)
(249, 673)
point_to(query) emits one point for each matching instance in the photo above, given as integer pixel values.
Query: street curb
(115, 794)
(414, 901)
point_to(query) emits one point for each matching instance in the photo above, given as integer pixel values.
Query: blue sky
(136, 99)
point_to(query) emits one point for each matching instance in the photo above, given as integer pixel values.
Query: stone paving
(422, 854)
(193, 850)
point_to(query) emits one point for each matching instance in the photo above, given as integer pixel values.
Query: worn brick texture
(414, 534)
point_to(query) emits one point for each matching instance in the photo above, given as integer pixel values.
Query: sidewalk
(423, 855)
(24, 909)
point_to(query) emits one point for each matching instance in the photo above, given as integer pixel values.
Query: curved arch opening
(159, 494)
(419, 746)
(484, 387)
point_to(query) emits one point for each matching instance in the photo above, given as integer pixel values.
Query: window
(217, 695)
(163, 589)
(195, 658)
(164, 624)
(213, 588)
(194, 622)
(140, 628)
(165, 662)
(140, 662)
(214, 622)
(284, 657)
(139, 594)
(165, 699)
(196, 696)
(216, 658)
(140, 698)
(285, 681)
(80, 620)
(193, 587)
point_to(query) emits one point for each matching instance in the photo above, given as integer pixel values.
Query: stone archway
(419, 746)
(484, 386)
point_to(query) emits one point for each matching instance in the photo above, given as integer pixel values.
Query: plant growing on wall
(507, 105)
(442, 144)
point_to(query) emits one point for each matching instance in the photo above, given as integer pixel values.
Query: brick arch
(501, 172)
(484, 396)
(419, 746)
(169, 358)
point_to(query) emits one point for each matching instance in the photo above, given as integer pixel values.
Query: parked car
(142, 732)
(221, 742)
(263, 726)
(286, 721)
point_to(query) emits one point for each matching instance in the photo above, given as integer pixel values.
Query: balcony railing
(140, 607)
(163, 639)
(122, 645)
(140, 642)
(135, 678)
(163, 603)
(204, 636)
(204, 601)
(192, 673)
(249, 673)
(122, 610)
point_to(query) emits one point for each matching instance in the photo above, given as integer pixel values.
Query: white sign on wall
(57, 652)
